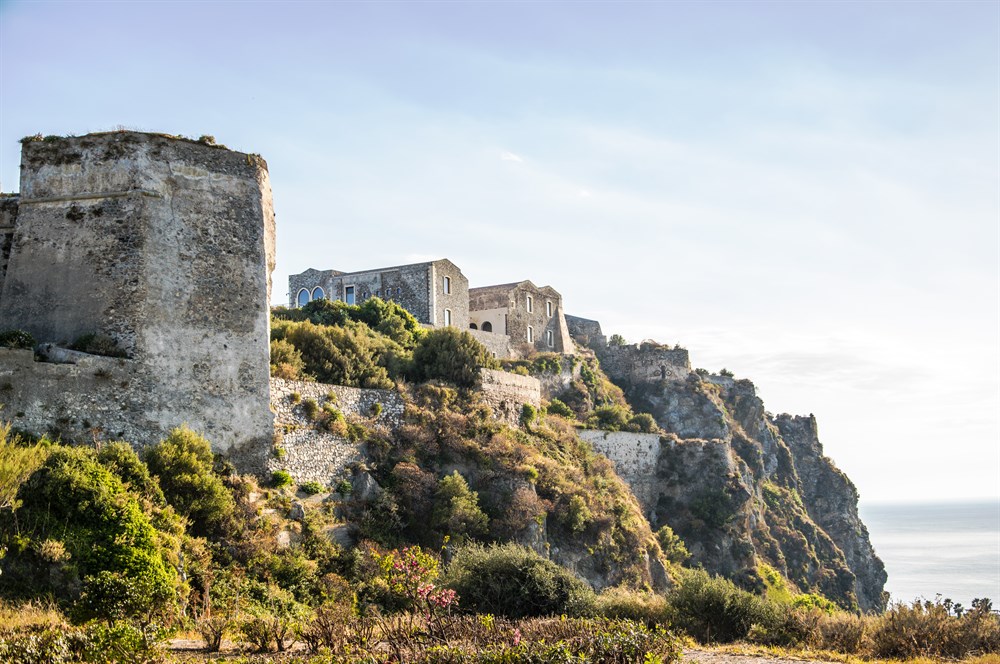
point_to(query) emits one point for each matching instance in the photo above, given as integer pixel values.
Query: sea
(948, 550)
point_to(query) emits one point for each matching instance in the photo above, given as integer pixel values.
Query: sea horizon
(947, 549)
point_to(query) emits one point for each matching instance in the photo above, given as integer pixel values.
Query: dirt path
(714, 657)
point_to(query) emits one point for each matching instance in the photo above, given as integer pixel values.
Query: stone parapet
(506, 393)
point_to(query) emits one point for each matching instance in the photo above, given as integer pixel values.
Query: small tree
(451, 355)
(456, 509)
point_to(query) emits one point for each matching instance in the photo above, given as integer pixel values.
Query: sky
(805, 193)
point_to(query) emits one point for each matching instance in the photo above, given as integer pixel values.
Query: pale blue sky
(805, 193)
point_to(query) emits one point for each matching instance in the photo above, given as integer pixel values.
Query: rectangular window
(531, 335)
(349, 294)
(378, 292)
(447, 317)
(529, 305)
(550, 339)
(548, 308)
(447, 285)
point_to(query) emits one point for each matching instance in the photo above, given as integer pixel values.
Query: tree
(456, 509)
(183, 463)
(451, 355)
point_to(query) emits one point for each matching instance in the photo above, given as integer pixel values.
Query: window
(531, 335)
(447, 317)
(318, 293)
(447, 285)
(302, 299)
(349, 294)
(548, 308)
(529, 304)
(487, 326)
(550, 338)
(378, 292)
(399, 291)
(472, 326)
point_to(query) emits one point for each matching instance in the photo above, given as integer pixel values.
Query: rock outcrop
(744, 488)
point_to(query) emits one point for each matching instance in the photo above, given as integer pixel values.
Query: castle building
(132, 237)
(529, 315)
(436, 292)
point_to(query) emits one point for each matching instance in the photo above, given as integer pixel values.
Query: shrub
(456, 509)
(311, 488)
(528, 415)
(286, 360)
(451, 355)
(713, 609)
(646, 607)
(17, 463)
(16, 339)
(351, 354)
(609, 418)
(643, 422)
(281, 478)
(310, 408)
(183, 463)
(928, 629)
(672, 545)
(557, 407)
(510, 580)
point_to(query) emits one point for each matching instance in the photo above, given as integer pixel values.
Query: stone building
(163, 247)
(530, 316)
(436, 292)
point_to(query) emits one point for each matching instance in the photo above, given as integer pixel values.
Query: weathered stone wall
(587, 332)
(166, 246)
(506, 393)
(644, 363)
(418, 288)
(498, 344)
(635, 456)
(8, 217)
(309, 454)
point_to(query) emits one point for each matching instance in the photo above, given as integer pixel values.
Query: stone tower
(165, 246)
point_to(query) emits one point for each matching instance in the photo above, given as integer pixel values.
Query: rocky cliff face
(743, 488)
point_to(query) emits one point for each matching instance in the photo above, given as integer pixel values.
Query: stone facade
(166, 247)
(436, 293)
(532, 317)
(505, 393)
(498, 345)
(635, 456)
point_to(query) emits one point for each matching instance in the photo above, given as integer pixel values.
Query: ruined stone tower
(163, 245)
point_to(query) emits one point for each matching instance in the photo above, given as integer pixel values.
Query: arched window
(472, 326)
(318, 293)
(487, 326)
(302, 299)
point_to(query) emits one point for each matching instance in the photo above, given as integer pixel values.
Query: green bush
(183, 463)
(643, 423)
(450, 355)
(528, 415)
(286, 360)
(673, 546)
(456, 509)
(281, 478)
(713, 610)
(645, 607)
(16, 339)
(557, 407)
(609, 418)
(311, 488)
(350, 354)
(94, 546)
(510, 580)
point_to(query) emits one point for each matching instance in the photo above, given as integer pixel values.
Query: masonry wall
(8, 217)
(635, 456)
(310, 454)
(165, 246)
(506, 393)
(587, 332)
(498, 345)
(509, 303)
(457, 301)
(645, 363)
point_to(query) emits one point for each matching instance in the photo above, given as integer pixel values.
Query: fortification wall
(587, 332)
(645, 363)
(497, 344)
(310, 454)
(506, 393)
(8, 217)
(166, 246)
(635, 457)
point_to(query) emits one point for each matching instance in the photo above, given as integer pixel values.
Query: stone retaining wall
(506, 393)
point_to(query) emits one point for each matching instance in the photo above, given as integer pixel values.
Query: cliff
(741, 487)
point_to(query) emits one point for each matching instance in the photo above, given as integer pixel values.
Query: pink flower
(517, 636)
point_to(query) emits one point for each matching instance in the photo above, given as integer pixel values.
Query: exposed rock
(365, 487)
(297, 512)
